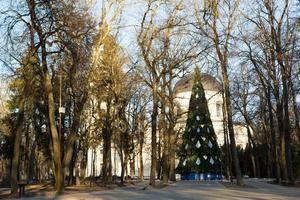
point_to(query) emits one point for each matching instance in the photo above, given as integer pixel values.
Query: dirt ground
(47, 189)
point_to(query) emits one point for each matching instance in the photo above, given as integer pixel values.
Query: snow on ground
(186, 190)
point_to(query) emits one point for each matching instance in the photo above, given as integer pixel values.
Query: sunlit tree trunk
(159, 148)
(132, 166)
(16, 148)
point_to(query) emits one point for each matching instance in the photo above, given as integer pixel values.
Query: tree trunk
(164, 130)
(122, 162)
(92, 177)
(239, 177)
(279, 115)
(72, 166)
(83, 163)
(125, 164)
(172, 155)
(70, 142)
(8, 170)
(46, 81)
(59, 179)
(109, 160)
(107, 165)
(16, 150)
(105, 158)
(37, 167)
(287, 135)
(77, 164)
(223, 59)
(267, 91)
(296, 112)
(153, 134)
(141, 164)
(26, 152)
(251, 149)
(257, 163)
(226, 141)
(274, 147)
(132, 167)
(165, 157)
(159, 158)
(32, 163)
(77, 173)
(107, 135)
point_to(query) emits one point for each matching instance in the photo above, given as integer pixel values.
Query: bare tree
(209, 18)
(272, 54)
(244, 104)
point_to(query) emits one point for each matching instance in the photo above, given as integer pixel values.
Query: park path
(264, 187)
(188, 190)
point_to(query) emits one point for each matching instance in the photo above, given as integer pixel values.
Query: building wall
(97, 155)
(214, 101)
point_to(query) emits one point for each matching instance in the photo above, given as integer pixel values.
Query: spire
(103, 14)
(197, 73)
(104, 25)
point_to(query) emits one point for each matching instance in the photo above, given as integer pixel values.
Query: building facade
(213, 94)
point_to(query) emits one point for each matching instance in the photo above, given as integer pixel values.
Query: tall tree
(108, 76)
(270, 53)
(209, 23)
(166, 51)
(22, 87)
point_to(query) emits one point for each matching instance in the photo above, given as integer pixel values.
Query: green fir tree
(199, 152)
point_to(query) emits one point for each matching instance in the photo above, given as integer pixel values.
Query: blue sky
(132, 11)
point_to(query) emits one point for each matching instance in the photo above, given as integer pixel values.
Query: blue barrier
(201, 176)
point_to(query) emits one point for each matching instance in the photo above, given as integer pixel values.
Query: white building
(213, 94)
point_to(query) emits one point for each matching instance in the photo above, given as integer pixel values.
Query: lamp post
(61, 109)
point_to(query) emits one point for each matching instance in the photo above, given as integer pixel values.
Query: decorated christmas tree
(199, 153)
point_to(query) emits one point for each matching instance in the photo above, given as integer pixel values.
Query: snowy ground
(185, 190)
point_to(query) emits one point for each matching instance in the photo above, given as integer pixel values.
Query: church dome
(208, 81)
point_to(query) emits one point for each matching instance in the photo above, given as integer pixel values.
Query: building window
(219, 109)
